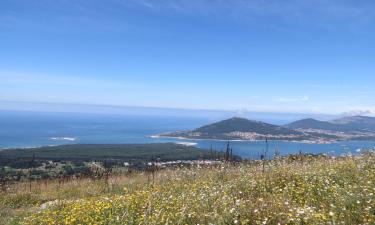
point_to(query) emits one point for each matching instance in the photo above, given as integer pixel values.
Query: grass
(308, 190)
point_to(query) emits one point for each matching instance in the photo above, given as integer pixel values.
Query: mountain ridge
(307, 130)
(239, 128)
(344, 124)
(311, 123)
(245, 125)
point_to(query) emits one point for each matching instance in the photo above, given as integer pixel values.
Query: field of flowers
(308, 190)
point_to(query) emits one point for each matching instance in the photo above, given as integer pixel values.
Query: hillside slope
(244, 125)
(320, 190)
(239, 128)
(313, 124)
(307, 130)
(362, 123)
(345, 124)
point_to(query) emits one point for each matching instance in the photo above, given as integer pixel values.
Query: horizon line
(237, 111)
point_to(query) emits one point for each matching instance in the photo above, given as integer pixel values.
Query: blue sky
(310, 56)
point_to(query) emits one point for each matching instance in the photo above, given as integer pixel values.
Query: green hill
(244, 125)
(362, 123)
(347, 128)
(239, 128)
(313, 124)
(345, 124)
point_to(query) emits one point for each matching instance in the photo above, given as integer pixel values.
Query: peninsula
(307, 130)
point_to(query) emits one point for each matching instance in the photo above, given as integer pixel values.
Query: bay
(32, 129)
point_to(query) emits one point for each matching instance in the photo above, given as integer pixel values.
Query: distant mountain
(355, 119)
(308, 130)
(313, 124)
(244, 125)
(346, 124)
(363, 123)
(239, 128)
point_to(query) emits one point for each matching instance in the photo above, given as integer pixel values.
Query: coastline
(187, 144)
(241, 140)
(30, 147)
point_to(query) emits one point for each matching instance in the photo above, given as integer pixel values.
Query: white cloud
(365, 112)
(292, 99)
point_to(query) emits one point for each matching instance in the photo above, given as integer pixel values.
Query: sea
(20, 129)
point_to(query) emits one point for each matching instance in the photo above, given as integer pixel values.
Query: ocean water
(32, 129)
